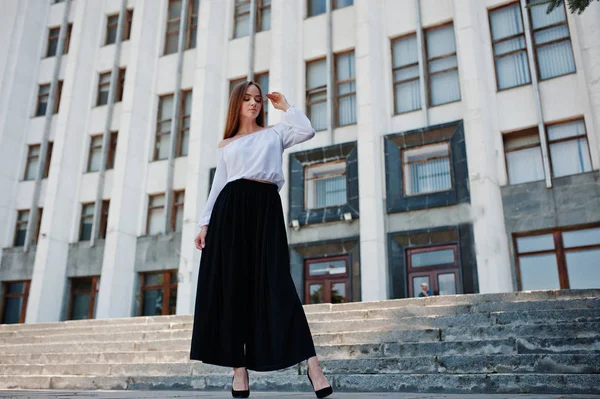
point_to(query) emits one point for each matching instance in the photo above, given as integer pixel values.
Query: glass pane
(417, 281)
(172, 301)
(525, 165)
(346, 111)
(317, 113)
(81, 284)
(539, 272)
(446, 284)
(52, 47)
(442, 64)
(432, 258)
(179, 219)
(330, 192)
(111, 35)
(408, 96)
(552, 34)
(95, 160)
(406, 73)
(345, 66)
(173, 277)
(535, 243)
(155, 224)
(81, 307)
(102, 96)
(316, 7)
(513, 70)
(508, 46)
(584, 269)
(564, 130)
(12, 310)
(242, 25)
(316, 74)
(265, 21)
(581, 238)
(316, 292)
(32, 167)
(88, 209)
(422, 173)
(152, 304)
(556, 59)
(506, 22)
(327, 268)
(174, 9)
(404, 51)
(172, 43)
(154, 279)
(15, 288)
(185, 143)
(570, 157)
(342, 3)
(163, 146)
(440, 41)
(539, 18)
(338, 293)
(86, 231)
(445, 88)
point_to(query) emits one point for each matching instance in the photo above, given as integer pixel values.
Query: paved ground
(39, 394)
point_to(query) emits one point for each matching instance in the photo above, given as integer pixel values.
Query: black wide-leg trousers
(248, 313)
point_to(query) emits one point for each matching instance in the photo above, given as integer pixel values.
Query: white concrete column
(373, 115)
(205, 134)
(48, 282)
(477, 91)
(116, 294)
(21, 26)
(287, 67)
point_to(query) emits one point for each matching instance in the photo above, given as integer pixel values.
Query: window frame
(416, 147)
(175, 207)
(182, 118)
(314, 90)
(30, 158)
(159, 122)
(126, 26)
(24, 295)
(84, 217)
(427, 76)
(559, 251)
(494, 42)
(566, 139)
(308, 180)
(166, 287)
(260, 9)
(47, 98)
(51, 37)
(236, 15)
(191, 28)
(104, 219)
(522, 132)
(18, 223)
(153, 207)
(398, 68)
(336, 84)
(432, 271)
(536, 46)
(257, 78)
(93, 294)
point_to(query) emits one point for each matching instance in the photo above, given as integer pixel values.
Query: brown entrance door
(435, 266)
(326, 280)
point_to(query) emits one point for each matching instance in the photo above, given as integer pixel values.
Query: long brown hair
(235, 104)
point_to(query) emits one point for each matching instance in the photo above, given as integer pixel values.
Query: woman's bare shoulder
(224, 142)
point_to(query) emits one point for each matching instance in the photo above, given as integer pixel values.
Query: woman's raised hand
(278, 100)
(200, 238)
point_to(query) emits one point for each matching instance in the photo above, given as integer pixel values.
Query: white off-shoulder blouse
(258, 155)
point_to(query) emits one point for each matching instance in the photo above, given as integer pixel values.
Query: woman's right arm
(218, 183)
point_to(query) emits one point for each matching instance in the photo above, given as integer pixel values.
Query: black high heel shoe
(321, 393)
(241, 394)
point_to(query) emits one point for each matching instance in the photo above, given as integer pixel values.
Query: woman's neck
(248, 126)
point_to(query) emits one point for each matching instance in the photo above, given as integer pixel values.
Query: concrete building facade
(458, 145)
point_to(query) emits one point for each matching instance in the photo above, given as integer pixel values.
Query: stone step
(183, 330)
(559, 345)
(565, 364)
(565, 330)
(414, 383)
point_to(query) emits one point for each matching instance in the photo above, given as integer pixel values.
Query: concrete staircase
(525, 342)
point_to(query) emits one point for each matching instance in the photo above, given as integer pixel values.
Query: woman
(248, 314)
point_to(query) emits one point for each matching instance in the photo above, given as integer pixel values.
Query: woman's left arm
(296, 127)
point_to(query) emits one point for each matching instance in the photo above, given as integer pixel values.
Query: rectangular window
(111, 27)
(38, 225)
(104, 85)
(174, 21)
(44, 97)
(316, 7)
(163, 127)
(569, 150)
(551, 40)
(510, 50)
(192, 25)
(177, 212)
(442, 66)
(159, 293)
(563, 259)
(21, 228)
(342, 3)
(405, 68)
(242, 18)
(426, 169)
(156, 213)
(185, 115)
(327, 280)
(263, 81)
(325, 185)
(104, 219)
(345, 89)
(316, 93)
(432, 271)
(33, 161)
(85, 225)
(523, 156)
(235, 82)
(263, 15)
(14, 301)
(95, 153)
(53, 34)
(82, 299)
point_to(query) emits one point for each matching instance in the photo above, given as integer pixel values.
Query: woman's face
(252, 103)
